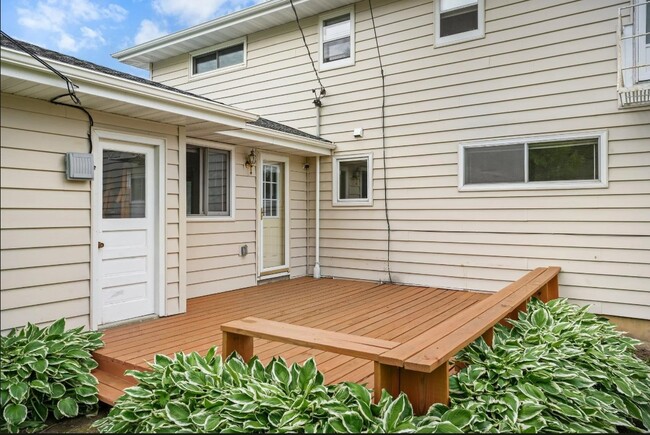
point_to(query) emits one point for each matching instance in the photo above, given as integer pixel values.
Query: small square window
(353, 180)
(539, 162)
(458, 20)
(225, 57)
(337, 39)
(208, 182)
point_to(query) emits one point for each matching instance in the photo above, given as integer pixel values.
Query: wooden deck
(385, 311)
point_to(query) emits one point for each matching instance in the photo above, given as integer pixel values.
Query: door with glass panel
(273, 218)
(126, 247)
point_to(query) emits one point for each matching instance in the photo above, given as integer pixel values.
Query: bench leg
(425, 389)
(488, 336)
(242, 344)
(551, 290)
(386, 378)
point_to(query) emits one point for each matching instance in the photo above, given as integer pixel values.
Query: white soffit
(244, 22)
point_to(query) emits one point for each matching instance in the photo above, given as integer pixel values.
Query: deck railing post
(425, 389)
(242, 344)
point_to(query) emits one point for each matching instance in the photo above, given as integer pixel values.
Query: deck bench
(418, 367)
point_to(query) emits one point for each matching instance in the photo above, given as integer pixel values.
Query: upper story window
(337, 39)
(458, 20)
(218, 58)
(542, 162)
(634, 54)
(209, 186)
(352, 180)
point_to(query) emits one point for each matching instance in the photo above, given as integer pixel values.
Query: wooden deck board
(382, 311)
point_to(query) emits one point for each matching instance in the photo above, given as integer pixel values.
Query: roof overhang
(237, 24)
(204, 119)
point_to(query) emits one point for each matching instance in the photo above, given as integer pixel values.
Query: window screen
(494, 164)
(458, 16)
(225, 57)
(336, 38)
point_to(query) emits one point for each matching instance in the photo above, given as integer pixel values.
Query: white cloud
(195, 12)
(68, 22)
(188, 12)
(147, 31)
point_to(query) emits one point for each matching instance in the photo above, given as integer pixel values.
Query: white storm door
(643, 41)
(274, 217)
(127, 246)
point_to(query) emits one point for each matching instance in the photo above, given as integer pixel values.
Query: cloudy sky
(94, 29)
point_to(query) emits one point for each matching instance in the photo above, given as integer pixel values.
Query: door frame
(159, 236)
(286, 268)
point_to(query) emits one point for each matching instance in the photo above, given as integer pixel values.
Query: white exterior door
(126, 215)
(274, 213)
(643, 41)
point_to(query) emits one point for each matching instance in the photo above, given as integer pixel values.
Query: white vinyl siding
(544, 67)
(45, 222)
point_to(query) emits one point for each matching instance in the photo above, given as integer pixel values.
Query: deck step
(111, 377)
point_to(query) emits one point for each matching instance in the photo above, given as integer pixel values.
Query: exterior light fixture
(251, 160)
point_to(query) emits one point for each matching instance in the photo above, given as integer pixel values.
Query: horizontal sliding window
(225, 57)
(565, 162)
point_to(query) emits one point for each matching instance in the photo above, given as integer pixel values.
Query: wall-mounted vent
(79, 166)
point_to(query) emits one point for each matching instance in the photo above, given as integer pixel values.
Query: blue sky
(94, 29)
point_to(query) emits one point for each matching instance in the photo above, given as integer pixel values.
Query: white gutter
(22, 66)
(317, 211)
(282, 139)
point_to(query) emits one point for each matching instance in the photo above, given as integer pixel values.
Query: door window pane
(124, 185)
(271, 192)
(576, 160)
(495, 164)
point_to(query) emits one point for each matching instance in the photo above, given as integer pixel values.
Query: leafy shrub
(191, 393)
(46, 370)
(559, 369)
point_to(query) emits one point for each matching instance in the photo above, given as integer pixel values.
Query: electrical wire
(383, 144)
(313, 65)
(69, 85)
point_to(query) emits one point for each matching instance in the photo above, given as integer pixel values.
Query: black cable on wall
(383, 143)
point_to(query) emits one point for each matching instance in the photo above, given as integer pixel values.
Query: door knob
(100, 245)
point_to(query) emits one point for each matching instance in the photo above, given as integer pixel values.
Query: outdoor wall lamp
(251, 160)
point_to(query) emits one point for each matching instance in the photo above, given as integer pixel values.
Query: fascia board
(119, 89)
(284, 140)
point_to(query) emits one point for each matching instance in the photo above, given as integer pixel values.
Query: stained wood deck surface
(384, 311)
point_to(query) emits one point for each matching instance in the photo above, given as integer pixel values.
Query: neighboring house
(116, 248)
(513, 138)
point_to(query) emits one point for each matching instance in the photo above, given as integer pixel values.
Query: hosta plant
(46, 372)
(559, 369)
(191, 393)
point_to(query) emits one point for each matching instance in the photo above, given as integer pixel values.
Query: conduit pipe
(317, 247)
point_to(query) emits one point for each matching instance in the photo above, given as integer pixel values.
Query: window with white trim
(560, 161)
(208, 181)
(337, 39)
(458, 21)
(352, 181)
(224, 56)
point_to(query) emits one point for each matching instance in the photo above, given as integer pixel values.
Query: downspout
(317, 248)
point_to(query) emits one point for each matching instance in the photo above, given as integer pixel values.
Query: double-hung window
(458, 20)
(217, 58)
(337, 39)
(352, 180)
(542, 162)
(208, 182)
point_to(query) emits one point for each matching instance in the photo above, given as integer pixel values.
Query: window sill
(457, 39)
(336, 64)
(210, 219)
(216, 72)
(352, 204)
(560, 185)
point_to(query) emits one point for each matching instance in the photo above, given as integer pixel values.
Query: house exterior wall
(45, 231)
(213, 261)
(543, 67)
